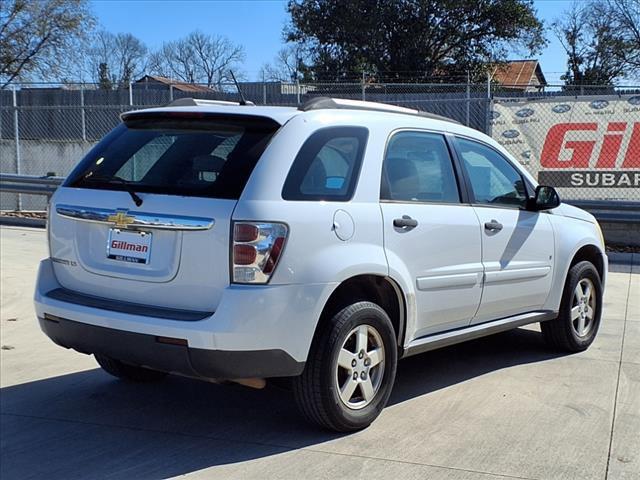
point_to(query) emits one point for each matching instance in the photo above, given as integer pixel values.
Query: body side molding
(451, 337)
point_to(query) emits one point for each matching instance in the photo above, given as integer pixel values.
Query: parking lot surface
(498, 407)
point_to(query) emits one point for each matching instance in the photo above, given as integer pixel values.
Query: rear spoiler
(196, 102)
(195, 119)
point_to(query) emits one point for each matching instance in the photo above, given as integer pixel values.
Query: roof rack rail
(196, 102)
(327, 103)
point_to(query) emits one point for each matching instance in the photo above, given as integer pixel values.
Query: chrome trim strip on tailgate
(122, 218)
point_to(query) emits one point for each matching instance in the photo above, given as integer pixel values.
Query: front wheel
(578, 320)
(351, 369)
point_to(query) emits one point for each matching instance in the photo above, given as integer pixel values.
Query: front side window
(494, 181)
(417, 168)
(327, 165)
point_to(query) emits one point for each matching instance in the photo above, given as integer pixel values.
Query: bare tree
(287, 65)
(599, 50)
(197, 58)
(36, 36)
(215, 56)
(175, 60)
(626, 16)
(122, 57)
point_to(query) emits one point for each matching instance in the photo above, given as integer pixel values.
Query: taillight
(256, 249)
(244, 254)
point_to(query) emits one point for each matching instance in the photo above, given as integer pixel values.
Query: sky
(257, 25)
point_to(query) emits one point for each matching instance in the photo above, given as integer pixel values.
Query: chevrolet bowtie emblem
(121, 219)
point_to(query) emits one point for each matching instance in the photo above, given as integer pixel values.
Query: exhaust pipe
(257, 383)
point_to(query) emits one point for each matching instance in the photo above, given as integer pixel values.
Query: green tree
(104, 79)
(37, 36)
(410, 39)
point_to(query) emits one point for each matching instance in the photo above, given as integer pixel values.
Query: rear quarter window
(327, 166)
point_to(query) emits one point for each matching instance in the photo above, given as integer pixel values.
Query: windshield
(205, 157)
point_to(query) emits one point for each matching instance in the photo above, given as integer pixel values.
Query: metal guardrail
(612, 211)
(30, 184)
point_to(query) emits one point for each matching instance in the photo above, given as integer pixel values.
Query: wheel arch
(379, 289)
(585, 250)
(590, 253)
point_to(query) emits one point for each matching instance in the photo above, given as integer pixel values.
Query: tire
(318, 390)
(128, 372)
(563, 333)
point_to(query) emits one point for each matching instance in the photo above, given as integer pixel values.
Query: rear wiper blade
(114, 179)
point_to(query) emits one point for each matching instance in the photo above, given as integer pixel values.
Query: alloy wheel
(360, 367)
(583, 307)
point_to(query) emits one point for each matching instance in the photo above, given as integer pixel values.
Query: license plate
(129, 246)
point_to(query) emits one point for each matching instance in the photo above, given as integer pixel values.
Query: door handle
(405, 222)
(493, 226)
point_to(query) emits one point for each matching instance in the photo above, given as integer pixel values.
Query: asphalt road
(499, 407)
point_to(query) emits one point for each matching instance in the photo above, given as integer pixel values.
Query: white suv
(322, 243)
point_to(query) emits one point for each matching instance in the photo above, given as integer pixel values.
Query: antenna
(243, 101)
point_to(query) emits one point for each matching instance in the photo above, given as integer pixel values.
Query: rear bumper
(149, 351)
(256, 331)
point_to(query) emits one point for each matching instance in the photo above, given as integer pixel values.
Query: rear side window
(203, 156)
(327, 166)
(417, 168)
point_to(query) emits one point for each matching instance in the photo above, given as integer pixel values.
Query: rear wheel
(580, 311)
(128, 372)
(351, 369)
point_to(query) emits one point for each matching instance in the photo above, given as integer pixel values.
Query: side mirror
(545, 198)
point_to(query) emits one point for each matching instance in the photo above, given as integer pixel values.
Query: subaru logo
(525, 112)
(599, 104)
(562, 108)
(493, 114)
(510, 134)
(634, 100)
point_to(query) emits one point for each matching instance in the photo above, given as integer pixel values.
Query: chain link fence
(585, 140)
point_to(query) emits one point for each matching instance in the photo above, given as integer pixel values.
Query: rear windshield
(205, 156)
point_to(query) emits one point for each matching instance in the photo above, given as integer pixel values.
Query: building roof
(519, 74)
(177, 85)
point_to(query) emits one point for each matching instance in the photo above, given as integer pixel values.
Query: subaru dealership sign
(588, 146)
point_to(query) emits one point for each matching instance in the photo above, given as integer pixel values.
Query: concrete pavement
(499, 407)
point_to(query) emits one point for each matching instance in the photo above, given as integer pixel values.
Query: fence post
(83, 117)
(468, 100)
(264, 90)
(363, 87)
(298, 91)
(16, 136)
(487, 117)
(131, 93)
(488, 86)
(171, 92)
